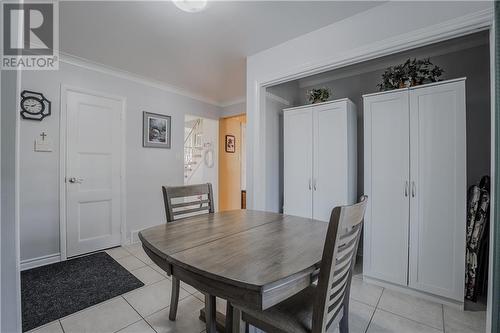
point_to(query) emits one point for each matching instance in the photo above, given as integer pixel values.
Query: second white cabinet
(319, 158)
(415, 179)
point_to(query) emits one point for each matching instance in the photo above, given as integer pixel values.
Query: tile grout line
(87, 308)
(442, 311)
(153, 268)
(180, 298)
(162, 271)
(168, 278)
(363, 302)
(135, 322)
(142, 318)
(159, 310)
(374, 310)
(413, 320)
(60, 324)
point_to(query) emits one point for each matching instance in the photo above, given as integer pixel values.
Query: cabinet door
(297, 167)
(438, 193)
(386, 163)
(330, 162)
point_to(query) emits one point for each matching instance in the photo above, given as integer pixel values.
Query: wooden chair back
(337, 263)
(184, 201)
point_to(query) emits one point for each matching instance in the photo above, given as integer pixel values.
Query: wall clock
(34, 106)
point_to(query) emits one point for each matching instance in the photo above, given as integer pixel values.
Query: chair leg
(344, 322)
(174, 300)
(229, 318)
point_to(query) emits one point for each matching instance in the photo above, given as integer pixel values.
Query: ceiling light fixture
(191, 6)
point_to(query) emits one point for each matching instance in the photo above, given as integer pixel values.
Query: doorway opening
(467, 56)
(200, 151)
(232, 163)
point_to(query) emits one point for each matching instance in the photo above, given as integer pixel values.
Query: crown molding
(431, 51)
(271, 96)
(233, 102)
(123, 74)
(456, 27)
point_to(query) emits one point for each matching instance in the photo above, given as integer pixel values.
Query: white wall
(274, 142)
(381, 28)
(10, 313)
(147, 169)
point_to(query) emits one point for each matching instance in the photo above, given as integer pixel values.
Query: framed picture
(230, 144)
(156, 130)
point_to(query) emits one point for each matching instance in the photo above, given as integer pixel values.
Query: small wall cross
(43, 135)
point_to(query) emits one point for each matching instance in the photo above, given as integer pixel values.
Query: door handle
(406, 189)
(314, 184)
(310, 186)
(75, 180)
(413, 189)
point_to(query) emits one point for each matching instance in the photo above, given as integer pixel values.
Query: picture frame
(156, 130)
(230, 144)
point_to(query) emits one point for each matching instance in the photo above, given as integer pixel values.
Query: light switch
(43, 144)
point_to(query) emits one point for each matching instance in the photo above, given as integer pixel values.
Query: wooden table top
(248, 249)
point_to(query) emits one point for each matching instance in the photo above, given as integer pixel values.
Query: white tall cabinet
(415, 179)
(319, 158)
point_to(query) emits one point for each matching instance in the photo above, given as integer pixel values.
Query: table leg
(174, 298)
(210, 313)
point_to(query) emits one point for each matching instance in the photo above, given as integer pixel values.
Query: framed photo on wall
(156, 130)
(230, 144)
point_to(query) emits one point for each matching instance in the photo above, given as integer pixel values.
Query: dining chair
(320, 307)
(181, 202)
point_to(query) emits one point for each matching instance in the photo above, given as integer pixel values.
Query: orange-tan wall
(230, 164)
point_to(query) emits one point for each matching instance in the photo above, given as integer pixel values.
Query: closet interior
(421, 152)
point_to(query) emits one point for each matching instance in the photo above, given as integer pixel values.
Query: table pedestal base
(220, 320)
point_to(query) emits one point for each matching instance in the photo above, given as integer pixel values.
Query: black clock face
(32, 105)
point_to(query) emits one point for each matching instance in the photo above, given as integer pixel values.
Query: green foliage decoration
(411, 73)
(318, 95)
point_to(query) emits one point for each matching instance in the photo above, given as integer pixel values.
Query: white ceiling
(202, 53)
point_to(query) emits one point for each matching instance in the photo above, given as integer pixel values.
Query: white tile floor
(145, 310)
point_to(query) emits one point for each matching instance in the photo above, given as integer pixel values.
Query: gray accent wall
(472, 63)
(147, 169)
(353, 82)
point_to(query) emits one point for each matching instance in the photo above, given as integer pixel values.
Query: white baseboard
(134, 236)
(421, 294)
(40, 261)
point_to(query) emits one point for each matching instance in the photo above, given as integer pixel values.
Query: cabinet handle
(406, 188)
(413, 189)
(310, 187)
(314, 184)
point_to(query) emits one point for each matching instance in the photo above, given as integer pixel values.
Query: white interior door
(93, 172)
(386, 123)
(330, 159)
(298, 162)
(438, 200)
